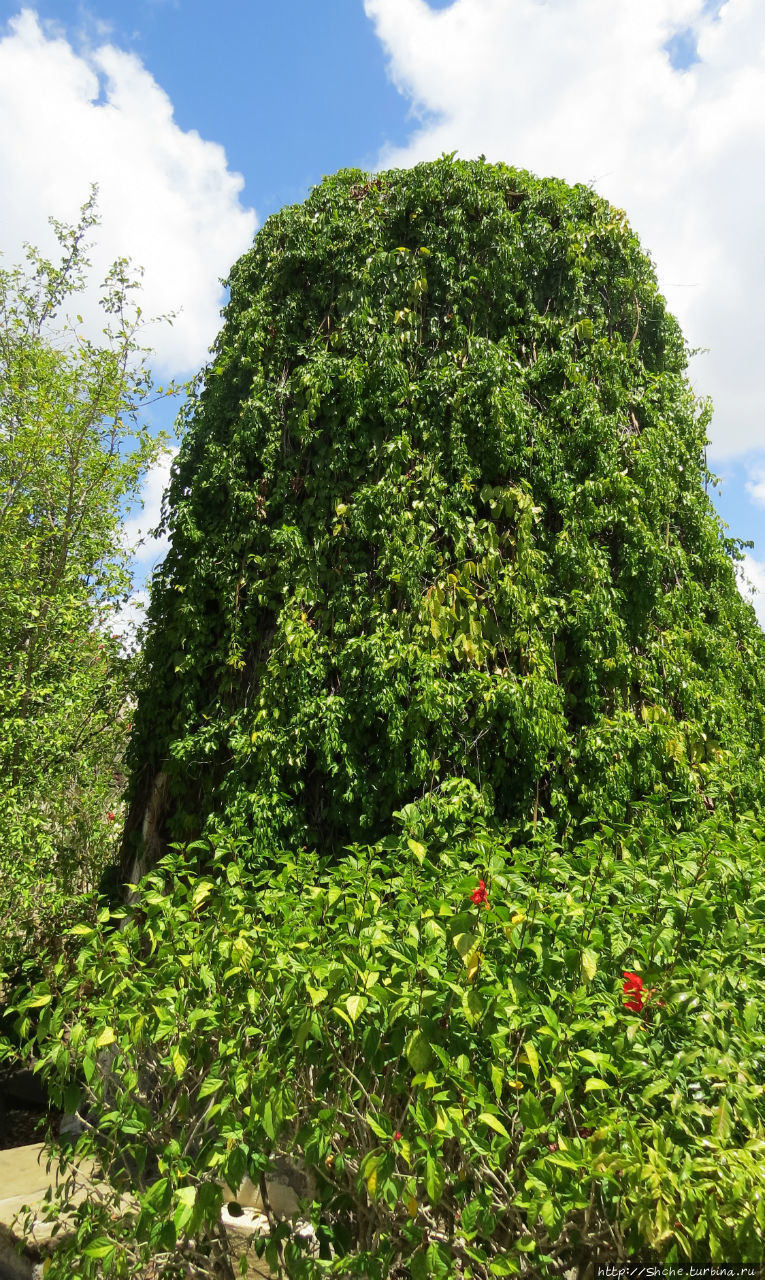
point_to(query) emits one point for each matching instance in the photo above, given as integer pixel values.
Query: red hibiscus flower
(479, 897)
(633, 987)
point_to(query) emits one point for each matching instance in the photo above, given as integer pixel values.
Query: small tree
(73, 450)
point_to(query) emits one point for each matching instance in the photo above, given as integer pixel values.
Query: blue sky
(200, 120)
(292, 90)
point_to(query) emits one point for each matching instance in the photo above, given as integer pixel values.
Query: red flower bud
(111, 816)
(397, 1136)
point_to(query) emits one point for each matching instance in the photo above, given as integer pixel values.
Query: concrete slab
(23, 1173)
(25, 1180)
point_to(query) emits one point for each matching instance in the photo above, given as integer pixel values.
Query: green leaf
(38, 1002)
(377, 1129)
(179, 1061)
(106, 1037)
(417, 849)
(434, 1179)
(356, 1006)
(466, 944)
(186, 1198)
(589, 963)
(594, 1082)
(503, 1267)
(341, 1013)
(419, 1266)
(99, 1248)
(722, 1121)
(202, 890)
(494, 1123)
(209, 1086)
(530, 1111)
(418, 1052)
(551, 1216)
(497, 1080)
(268, 1121)
(533, 1057)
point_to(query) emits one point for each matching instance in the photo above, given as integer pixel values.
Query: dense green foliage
(71, 452)
(440, 512)
(466, 1085)
(460, 716)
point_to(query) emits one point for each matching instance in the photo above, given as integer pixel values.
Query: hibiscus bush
(491, 1052)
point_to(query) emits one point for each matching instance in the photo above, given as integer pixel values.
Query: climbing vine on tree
(440, 512)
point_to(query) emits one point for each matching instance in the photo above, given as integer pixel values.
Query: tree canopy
(73, 450)
(441, 512)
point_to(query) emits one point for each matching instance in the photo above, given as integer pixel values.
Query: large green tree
(440, 511)
(73, 449)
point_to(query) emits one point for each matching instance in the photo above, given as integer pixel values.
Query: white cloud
(750, 575)
(147, 550)
(128, 620)
(73, 116)
(584, 90)
(755, 486)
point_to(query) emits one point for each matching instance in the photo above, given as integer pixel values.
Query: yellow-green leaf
(496, 1080)
(722, 1121)
(418, 1052)
(417, 849)
(179, 1061)
(201, 891)
(356, 1005)
(532, 1057)
(494, 1123)
(37, 1002)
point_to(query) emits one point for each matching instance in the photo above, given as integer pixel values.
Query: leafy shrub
(463, 1070)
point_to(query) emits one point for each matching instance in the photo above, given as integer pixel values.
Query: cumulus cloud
(586, 90)
(755, 486)
(750, 574)
(137, 529)
(70, 117)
